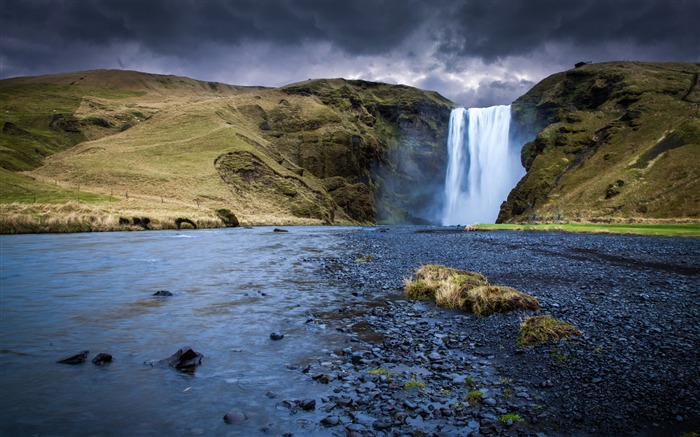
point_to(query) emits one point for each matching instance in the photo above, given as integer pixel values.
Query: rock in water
(276, 336)
(162, 293)
(75, 359)
(235, 416)
(101, 359)
(308, 404)
(330, 421)
(184, 360)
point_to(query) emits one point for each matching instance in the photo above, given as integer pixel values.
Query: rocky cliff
(319, 151)
(612, 141)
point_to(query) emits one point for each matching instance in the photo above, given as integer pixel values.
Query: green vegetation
(510, 417)
(380, 371)
(539, 329)
(167, 145)
(468, 291)
(364, 259)
(228, 217)
(558, 356)
(473, 397)
(611, 141)
(667, 230)
(412, 383)
(469, 381)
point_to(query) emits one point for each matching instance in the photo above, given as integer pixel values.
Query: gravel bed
(411, 368)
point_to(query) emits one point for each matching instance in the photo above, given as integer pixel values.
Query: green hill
(104, 150)
(615, 141)
(92, 150)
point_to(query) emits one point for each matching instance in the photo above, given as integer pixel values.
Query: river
(61, 294)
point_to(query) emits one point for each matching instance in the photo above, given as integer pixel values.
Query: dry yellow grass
(72, 216)
(465, 290)
(489, 299)
(431, 278)
(538, 329)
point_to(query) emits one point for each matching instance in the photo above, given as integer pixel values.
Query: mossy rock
(228, 217)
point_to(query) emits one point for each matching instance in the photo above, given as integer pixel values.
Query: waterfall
(482, 167)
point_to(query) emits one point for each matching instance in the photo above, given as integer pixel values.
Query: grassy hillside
(122, 146)
(613, 142)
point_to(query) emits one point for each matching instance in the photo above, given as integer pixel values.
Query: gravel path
(410, 368)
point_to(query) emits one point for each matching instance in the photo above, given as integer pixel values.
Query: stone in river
(101, 359)
(235, 416)
(184, 360)
(276, 336)
(308, 404)
(79, 358)
(163, 293)
(330, 421)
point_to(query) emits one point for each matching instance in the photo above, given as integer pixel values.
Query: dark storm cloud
(167, 27)
(471, 51)
(496, 29)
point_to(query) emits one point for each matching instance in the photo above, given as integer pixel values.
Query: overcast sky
(474, 52)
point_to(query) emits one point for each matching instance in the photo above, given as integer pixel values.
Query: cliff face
(386, 142)
(315, 151)
(612, 141)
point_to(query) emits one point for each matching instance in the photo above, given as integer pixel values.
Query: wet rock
(276, 336)
(279, 230)
(235, 416)
(101, 359)
(308, 404)
(454, 354)
(185, 360)
(162, 293)
(381, 425)
(330, 421)
(323, 378)
(79, 358)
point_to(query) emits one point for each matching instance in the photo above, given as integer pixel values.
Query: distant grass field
(666, 230)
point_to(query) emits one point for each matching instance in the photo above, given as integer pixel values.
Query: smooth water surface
(60, 294)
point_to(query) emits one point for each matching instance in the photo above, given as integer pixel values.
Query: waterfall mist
(482, 165)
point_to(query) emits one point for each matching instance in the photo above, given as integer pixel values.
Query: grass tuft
(468, 291)
(510, 417)
(539, 329)
(489, 299)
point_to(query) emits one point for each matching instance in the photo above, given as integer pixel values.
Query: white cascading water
(482, 168)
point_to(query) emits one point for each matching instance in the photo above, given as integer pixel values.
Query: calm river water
(60, 294)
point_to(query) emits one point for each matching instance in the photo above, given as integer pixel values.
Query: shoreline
(76, 217)
(411, 365)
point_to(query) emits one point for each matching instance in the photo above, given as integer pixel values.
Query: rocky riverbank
(411, 368)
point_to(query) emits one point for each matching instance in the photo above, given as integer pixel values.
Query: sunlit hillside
(119, 145)
(615, 141)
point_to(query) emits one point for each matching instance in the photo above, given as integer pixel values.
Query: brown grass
(489, 299)
(539, 329)
(431, 278)
(468, 291)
